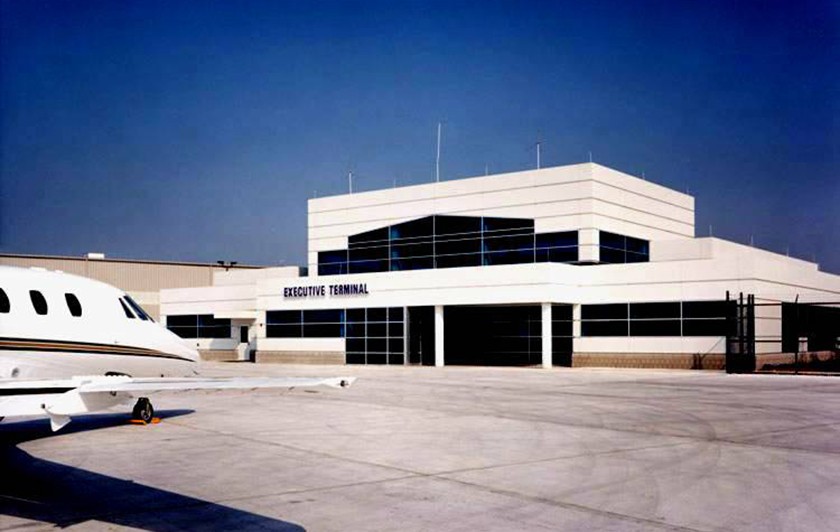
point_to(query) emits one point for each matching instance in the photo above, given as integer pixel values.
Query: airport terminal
(577, 265)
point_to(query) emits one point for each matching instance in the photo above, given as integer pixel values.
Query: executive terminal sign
(321, 290)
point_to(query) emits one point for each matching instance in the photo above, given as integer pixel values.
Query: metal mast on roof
(539, 143)
(437, 159)
(350, 181)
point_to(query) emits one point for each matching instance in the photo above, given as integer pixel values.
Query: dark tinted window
(612, 240)
(619, 249)
(457, 241)
(655, 327)
(654, 310)
(369, 251)
(212, 327)
(183, 326)
(4, 302)
(610, 311)
(128, 313)
(38, 302)
(73, 305)
(557, 247)
(705, 309)
(377, 237)
(323, 316)
(283, 317)
(332, 262)
(604, 328)
(377, 314)
(323, 323)
(355, 314)
(707, 318)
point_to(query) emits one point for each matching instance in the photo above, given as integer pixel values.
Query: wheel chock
(155, 421)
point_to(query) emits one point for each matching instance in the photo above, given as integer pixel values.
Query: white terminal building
(576, 265)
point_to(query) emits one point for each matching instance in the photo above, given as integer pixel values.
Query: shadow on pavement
(49, 492)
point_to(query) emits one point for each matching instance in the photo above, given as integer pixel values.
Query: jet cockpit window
(73, 305)
(38, 302)
(4, 302)
(128, 313)
(137, 309)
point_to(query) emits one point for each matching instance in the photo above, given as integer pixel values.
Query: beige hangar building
(576, 265)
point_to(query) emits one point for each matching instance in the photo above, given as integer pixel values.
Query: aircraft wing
(128, 384)
(60, 399)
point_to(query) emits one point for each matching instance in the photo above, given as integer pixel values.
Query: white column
(439, 336)
(546, 335)
(575, 323)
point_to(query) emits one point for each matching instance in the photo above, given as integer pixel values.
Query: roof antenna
(437, 159)
(590, 156)
(710, 230)
(350, 181)
(486, 169)
(643, 175)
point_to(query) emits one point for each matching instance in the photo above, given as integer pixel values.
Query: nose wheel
(143, 410)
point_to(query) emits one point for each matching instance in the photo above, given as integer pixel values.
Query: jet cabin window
(38, 302)
(137, 309)
(73, 305)
(4, 302)
(128, 313)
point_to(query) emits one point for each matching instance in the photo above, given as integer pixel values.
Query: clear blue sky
(197, 130)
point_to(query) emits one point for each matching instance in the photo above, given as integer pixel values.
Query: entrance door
(421, 336)
(243, 334)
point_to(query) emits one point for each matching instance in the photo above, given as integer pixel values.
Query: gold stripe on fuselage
(20, 344)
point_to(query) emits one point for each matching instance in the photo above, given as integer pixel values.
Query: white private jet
(71, 345)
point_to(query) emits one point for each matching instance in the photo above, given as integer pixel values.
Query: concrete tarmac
(444, 449)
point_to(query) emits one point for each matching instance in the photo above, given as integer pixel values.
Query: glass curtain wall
(620, 249)
(373, 335)
(686, 318)
(449, 242)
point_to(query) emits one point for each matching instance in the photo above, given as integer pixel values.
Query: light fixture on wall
(227, 264)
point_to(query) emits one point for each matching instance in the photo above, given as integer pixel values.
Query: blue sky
(197, 130)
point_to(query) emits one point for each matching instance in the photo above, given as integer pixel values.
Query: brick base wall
(771, 361)
(299, 357)
(218, 355)
(650, 360)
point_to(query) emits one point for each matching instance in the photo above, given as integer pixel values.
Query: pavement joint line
(413, 475)
(627, 430)
(699, 400)
(580, 507)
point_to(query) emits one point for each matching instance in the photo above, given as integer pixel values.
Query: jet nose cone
(187, 351)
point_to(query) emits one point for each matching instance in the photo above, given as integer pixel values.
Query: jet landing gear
(143, 411)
